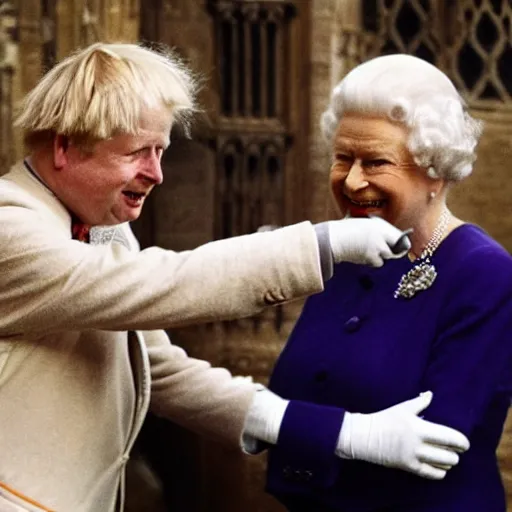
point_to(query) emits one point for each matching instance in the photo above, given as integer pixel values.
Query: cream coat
(77, 374)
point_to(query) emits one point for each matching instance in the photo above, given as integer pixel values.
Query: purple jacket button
(353, 324)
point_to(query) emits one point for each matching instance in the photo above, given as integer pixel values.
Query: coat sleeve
(193, 394)
(305, 452)
(471, 359)
(49, 283)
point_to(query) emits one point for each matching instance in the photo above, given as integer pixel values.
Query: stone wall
(485, 197)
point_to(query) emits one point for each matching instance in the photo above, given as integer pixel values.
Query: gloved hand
(366, 241)
(265, 415)
(397, 437)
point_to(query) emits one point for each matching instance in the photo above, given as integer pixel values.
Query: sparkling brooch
(420, 277)
(423, 274)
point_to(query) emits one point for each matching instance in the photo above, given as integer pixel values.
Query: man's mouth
(134, 199)
(134, 196)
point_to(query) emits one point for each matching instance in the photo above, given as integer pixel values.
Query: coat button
(321, 376)
(353, 324)
(366, 282)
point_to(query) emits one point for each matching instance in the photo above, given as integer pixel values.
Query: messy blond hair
(102, 90)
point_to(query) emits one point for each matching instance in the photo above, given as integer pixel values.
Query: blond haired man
(82, 352)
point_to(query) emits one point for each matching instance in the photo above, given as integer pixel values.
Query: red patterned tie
(80, 231)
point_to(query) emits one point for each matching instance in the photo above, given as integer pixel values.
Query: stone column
(83, 22)
(121, 20)
(348, 20)
(8, 81)
(323, 24)
(29, 70)
(68, 26)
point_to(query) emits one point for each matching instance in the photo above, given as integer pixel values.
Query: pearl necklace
(423, 273)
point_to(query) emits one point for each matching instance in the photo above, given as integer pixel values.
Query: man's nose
(355, 177)
(153, 170)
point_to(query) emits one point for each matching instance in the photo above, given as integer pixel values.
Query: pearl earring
(431, 173)
(432, 195)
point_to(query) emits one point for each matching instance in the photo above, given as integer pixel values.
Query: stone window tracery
(252, 134)
(471, 40)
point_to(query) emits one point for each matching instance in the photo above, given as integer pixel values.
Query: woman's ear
(432, 173)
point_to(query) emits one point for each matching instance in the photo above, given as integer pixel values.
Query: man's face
(109, 184)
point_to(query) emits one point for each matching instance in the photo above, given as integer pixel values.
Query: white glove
(366, 241)
(397, 437)
(265, 416)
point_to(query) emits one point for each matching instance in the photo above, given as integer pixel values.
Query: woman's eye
(378, 162)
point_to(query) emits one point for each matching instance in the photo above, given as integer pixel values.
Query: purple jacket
(357, 348)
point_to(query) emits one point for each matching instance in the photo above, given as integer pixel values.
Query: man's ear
(60, 151)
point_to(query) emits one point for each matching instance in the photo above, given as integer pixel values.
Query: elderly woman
(440, 320)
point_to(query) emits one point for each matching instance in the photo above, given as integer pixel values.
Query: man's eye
(340, 157)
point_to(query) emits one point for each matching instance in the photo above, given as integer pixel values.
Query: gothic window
(252, 38)
(403, 26)
(250, 184)
(480, 60)
(471, 40)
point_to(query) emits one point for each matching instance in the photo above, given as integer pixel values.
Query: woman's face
(373, 172)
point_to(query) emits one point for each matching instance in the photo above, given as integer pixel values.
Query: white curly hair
(409, 90)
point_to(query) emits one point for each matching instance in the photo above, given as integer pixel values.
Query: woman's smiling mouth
(376, 203)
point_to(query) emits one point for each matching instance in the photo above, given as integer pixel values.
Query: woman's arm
(471, 359)
(310, 437)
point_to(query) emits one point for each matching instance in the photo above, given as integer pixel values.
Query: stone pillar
(347, 23)
(29, 70)
(323, 25)
(121, 20)
(83, 22)
(68, 26)
(9, 78)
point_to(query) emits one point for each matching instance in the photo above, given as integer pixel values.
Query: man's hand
(366, 241)
(397, 437)
(265, 415)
